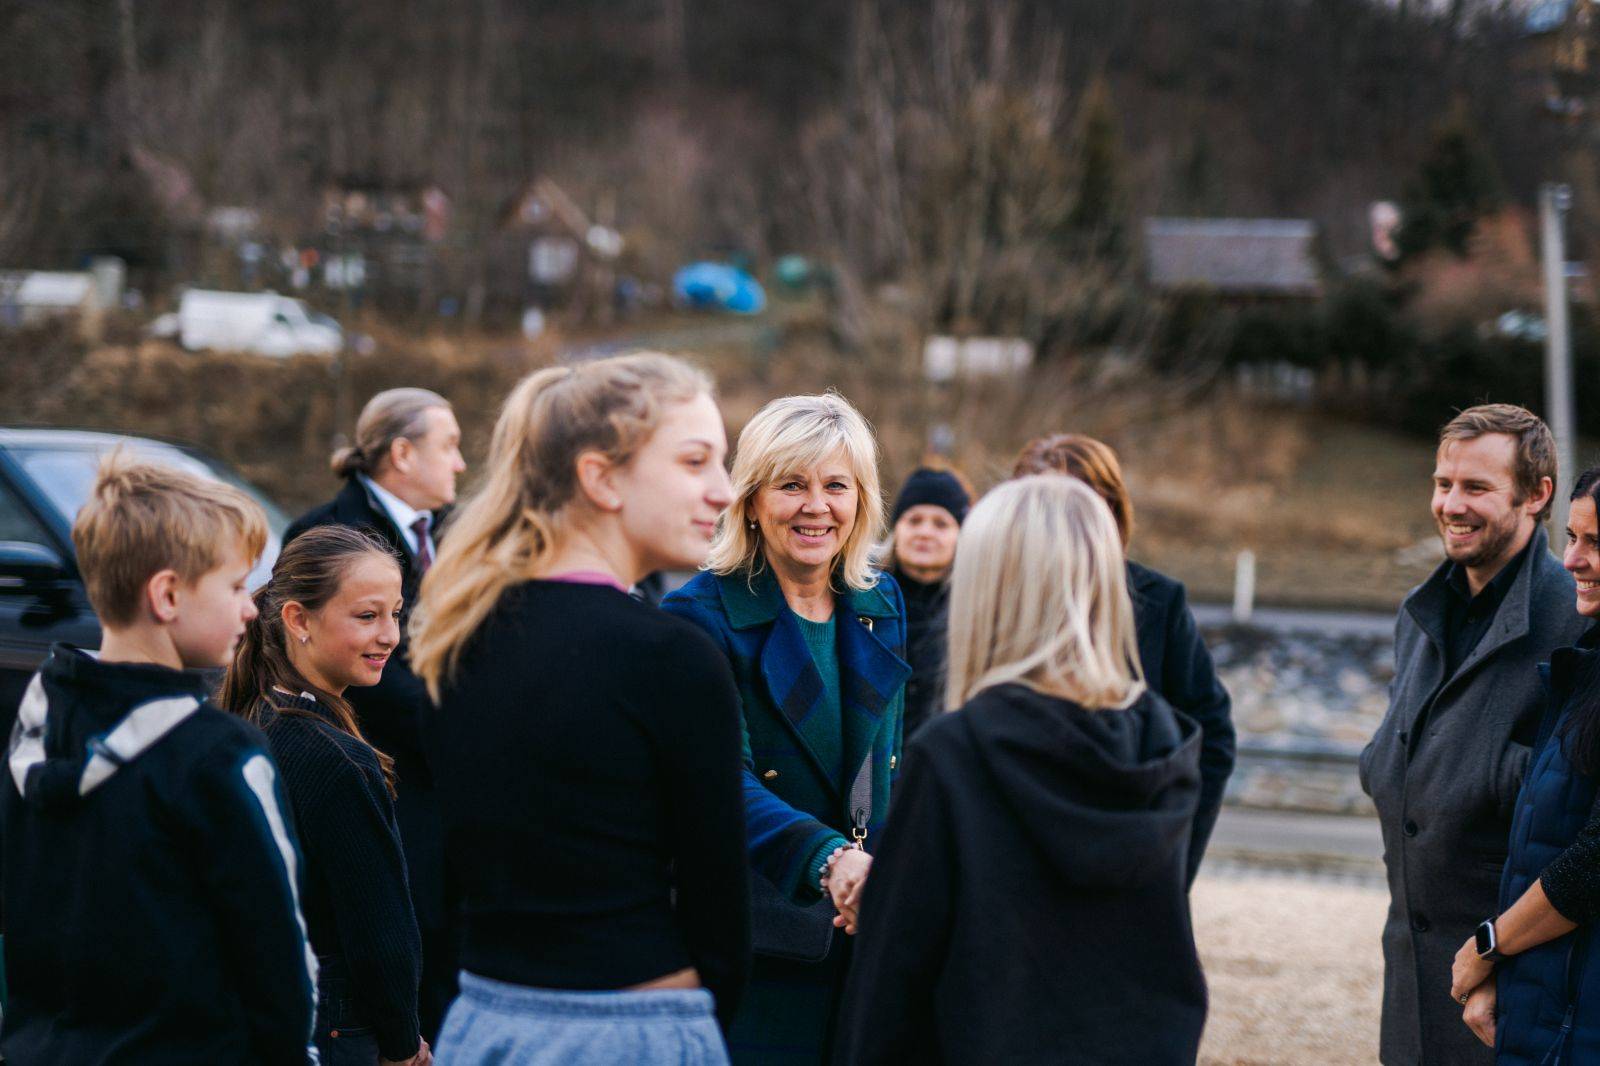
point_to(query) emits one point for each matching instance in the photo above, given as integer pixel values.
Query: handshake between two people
(842, 882)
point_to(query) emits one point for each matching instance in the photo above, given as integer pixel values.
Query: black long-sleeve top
(356, 898)
(587, 755)
(1572, 880)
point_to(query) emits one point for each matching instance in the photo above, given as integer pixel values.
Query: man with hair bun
(1445, 767)
(400, 475)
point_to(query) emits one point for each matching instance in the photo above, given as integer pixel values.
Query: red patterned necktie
(424, 556)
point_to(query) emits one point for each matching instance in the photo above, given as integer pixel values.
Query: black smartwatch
(1486, 943)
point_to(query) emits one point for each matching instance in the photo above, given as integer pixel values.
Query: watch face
(1485, 936)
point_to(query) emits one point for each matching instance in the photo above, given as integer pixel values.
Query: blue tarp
(718, 287)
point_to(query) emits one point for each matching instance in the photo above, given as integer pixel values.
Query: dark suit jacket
(1178, 668)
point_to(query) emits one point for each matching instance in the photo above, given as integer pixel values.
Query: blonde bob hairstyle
(1039, 598)
(518, 515)
(785, 437)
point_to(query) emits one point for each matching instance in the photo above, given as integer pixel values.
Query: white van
(260, 322)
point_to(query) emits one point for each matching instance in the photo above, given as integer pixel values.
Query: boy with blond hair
(149, 869)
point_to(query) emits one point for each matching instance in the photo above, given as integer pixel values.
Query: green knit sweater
(819, 637)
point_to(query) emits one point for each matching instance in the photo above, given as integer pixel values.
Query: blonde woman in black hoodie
(1027, 903)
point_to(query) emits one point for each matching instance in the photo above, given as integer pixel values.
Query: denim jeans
(341, 1037)
(513, 1025)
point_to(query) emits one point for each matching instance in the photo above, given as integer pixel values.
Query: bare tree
(959, 180)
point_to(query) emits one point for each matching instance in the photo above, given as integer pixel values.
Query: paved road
(1287, 620)
(1335, 844)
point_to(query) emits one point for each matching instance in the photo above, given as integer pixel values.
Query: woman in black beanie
(927, 520)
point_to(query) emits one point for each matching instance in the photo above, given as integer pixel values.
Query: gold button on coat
(770, 774)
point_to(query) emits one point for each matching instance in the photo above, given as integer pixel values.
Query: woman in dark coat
(1177, 666)
(1029, 903)
(816, 638)
(926, 522)
(1525, 973)
(329, 620)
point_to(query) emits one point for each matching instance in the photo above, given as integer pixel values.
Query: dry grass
(1325, 505)
(1285, 990)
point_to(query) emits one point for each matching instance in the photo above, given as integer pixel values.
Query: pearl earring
(304, 639)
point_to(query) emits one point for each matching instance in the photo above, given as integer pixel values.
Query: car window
(18, 523)
(65, 476)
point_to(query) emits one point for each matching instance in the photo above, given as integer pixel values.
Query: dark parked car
(45, 478)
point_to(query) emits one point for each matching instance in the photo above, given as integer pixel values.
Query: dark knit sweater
(587, 755)
(356, 900)
(1572, 880)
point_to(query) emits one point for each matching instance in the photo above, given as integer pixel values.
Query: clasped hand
(1473, 977)
(846, 873)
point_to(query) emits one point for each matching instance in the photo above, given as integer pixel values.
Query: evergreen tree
(1098, 211)
(1456, 185)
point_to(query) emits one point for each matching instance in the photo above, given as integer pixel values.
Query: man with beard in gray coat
(1445, 766)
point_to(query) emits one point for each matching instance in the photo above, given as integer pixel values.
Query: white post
(1554, 200)
(1244, 586)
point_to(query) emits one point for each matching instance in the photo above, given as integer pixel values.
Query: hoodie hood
(82, 720)
(1107, 796)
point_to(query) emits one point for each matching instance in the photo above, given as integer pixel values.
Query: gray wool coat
(1445, 809)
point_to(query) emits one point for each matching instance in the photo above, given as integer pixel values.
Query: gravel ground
(1295, 969)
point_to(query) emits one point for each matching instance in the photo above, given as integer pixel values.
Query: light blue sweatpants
(492, 1022)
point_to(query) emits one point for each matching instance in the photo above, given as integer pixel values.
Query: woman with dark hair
(926, 522)
(1539, 949)
(1176, 664)
(327, 620)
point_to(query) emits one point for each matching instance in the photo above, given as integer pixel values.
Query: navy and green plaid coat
(798, 766)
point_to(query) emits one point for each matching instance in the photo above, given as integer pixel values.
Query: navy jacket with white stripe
(150, 877)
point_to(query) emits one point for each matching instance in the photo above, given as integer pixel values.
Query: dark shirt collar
(1488, 597)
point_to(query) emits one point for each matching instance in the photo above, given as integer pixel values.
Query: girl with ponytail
(329, 619)
(585, 747)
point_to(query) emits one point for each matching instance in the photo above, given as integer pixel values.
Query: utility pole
(1554, 202)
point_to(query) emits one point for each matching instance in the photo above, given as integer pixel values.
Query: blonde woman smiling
(816, 637)
(1028, 902)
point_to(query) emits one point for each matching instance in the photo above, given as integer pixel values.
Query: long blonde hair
(517, 516)
(786, 436)
(1039, 597)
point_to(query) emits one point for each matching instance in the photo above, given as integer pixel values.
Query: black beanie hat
(938, 487)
